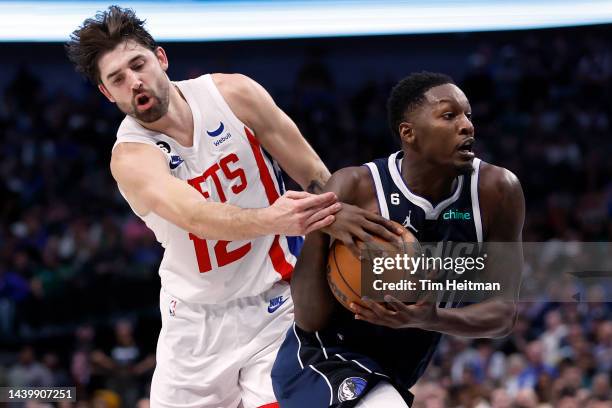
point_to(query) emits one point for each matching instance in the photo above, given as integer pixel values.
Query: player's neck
(426, 180)
(178, 121)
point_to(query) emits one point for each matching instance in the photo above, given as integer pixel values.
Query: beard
(464, 169)
(159, 107)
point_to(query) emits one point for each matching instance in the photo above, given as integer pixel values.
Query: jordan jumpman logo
(407, 223)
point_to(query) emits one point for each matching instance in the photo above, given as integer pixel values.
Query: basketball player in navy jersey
(371, 357)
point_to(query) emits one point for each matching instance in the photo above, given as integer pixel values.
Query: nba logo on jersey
(172, 307)
(351, 388)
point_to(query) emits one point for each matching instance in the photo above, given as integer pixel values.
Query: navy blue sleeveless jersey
(319, 365)
(456, 218)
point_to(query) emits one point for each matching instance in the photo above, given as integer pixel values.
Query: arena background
(79, 288)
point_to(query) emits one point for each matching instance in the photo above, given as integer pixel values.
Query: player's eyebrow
(115, 72)
(438, 102)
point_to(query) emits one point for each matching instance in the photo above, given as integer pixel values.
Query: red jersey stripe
(277, 256)
(264, 172)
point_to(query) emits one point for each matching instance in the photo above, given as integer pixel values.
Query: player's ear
(105, 92)
(161, 56)
(406, 132)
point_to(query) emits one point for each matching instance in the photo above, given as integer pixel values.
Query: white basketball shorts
(220, 355)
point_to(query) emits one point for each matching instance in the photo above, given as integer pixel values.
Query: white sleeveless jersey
(226, 164)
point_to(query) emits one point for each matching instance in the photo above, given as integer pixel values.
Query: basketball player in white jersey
(192, 158)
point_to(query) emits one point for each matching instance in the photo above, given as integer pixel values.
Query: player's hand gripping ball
(344, 269)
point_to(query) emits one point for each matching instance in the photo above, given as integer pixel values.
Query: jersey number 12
(222, 254)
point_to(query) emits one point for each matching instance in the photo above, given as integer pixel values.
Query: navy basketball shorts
(314, 370)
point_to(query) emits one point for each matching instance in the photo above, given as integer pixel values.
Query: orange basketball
(344, 269)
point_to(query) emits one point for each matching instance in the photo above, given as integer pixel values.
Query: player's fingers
(363, 311)
(352, 246)
(320, 224)
(296, 194)
(387, 224)
(316, 200)
(321, 213)
(382, 232)
(379, 310)
(395, 304)
(361, 234)
(428, 297)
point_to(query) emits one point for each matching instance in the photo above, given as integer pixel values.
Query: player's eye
(138, 66)
(469, 116)
(118, 80)
(448, 115)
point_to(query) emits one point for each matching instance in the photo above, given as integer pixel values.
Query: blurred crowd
(78, 282)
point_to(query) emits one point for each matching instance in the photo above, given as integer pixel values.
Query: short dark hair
(409, 93)
(103, 33)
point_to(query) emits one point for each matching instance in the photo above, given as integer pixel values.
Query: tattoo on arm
(315, 187)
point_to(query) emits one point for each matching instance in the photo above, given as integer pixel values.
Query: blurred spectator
(501, 399)
(603, 347)
(125, 365)
(106, 399)
(516, 366)
(601, 387)
(429, 395)
(551, 338)
(80, 364)
(14, 288)
(526, 398)
(28, 372)
(535, 366)
(59, 376)
(483, 362)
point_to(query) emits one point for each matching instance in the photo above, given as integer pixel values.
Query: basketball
(344, 268)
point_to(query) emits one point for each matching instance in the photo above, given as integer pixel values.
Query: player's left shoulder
(498, 182)
(246, 98)
(502, 202)
(235, 87)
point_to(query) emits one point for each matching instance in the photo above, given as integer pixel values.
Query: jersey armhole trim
(475, 203)
(380, 194)
(134, 139)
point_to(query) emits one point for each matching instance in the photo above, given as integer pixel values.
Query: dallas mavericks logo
(351, 388)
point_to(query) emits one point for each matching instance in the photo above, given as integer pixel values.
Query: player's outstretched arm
(279, 135)
(142, 174)
(503, 209)
(276, 132)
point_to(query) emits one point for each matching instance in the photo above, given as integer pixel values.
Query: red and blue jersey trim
(276, 252)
